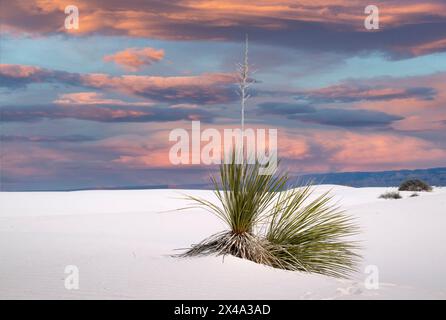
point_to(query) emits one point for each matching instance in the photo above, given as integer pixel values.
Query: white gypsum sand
(122, 242)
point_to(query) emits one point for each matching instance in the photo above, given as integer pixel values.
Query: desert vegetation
(290, 229)
(391, 195)
(414, 185)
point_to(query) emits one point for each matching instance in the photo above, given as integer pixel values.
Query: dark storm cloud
(283, 108)
(16, 76)
(328, 116)
(354, 93)
(348, 118)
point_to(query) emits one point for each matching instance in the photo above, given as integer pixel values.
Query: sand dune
(122, 242)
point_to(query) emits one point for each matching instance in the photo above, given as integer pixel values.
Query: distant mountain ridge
(432, 176)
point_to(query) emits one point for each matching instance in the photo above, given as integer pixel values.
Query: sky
(93, 107)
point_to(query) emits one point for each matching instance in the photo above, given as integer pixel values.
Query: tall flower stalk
(244, 83)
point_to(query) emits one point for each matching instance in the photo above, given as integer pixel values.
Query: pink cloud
(133, 59)
(206, 88)
(227, 19)
(314, 151)
(424, 48)
(420, 114)
(418, 100)
(301, 152)
(94, 98)
(32, 160)
(18, 71)
(140, 18)
(354, 151)
(369, 90)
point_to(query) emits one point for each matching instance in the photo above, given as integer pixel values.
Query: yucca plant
(245, 197)
(310, 234)
(279, 227)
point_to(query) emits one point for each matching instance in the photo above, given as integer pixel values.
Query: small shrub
(414, 185)
(391, 195)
